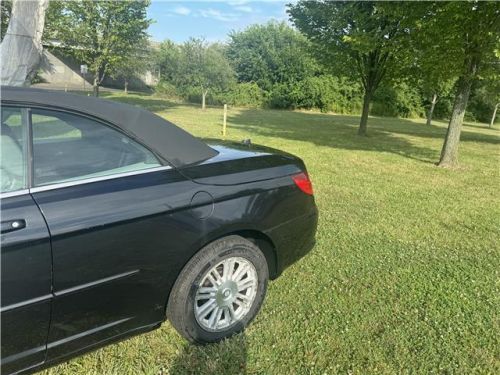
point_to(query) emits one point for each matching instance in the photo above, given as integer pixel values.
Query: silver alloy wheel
(226, 294)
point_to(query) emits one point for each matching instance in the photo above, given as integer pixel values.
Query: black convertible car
(114, 219)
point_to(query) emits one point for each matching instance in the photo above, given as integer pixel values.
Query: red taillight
(303, 182)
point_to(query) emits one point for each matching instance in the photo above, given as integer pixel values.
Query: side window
(68, 147)
(13, 150)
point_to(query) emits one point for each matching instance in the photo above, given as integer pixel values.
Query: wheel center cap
(225, 294)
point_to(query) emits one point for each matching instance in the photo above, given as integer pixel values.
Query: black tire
(180, 307)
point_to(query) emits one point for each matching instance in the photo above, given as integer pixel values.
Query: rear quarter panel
(276, 208)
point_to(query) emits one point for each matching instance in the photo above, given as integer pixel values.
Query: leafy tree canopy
(203, 65)
(462, 39)
(365, 40)
(167, 59)
(101, 34)
(196, 65)
(361, 39)
(270, 54)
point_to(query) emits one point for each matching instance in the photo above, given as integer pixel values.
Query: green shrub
(443, 107)
(166, 89)
(408, 101)
(280, 97)
(326, 93)
(397, 100)
(384, 102)
(246, 94)
(481, 104)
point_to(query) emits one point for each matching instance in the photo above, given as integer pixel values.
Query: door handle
(12, 225)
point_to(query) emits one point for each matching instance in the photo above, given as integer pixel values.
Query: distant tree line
(275, 66)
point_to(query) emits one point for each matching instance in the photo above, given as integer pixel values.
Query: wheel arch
(259, 238)
(263, 242)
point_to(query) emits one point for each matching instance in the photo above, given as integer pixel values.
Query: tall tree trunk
(95, 86)
(125, 89)
(449, 153)
(203, 97)
(366, 109)
(431, 110)
(494, 115)
(21, 48)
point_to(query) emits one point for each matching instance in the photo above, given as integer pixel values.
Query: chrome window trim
(15, 193)
(61, 185)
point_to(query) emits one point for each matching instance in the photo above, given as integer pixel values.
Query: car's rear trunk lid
(238, 163)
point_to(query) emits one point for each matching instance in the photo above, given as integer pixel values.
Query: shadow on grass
(226, 357)
(412, 128)
(337, 131)
(332, 131)
(476, 125)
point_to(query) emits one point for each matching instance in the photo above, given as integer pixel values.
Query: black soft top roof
(168, 141)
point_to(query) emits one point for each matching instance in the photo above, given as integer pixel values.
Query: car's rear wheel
(219, 291)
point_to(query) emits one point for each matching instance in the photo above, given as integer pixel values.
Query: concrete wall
(61, 71)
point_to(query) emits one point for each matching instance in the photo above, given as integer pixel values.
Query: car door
(25, 254)
(113, 211)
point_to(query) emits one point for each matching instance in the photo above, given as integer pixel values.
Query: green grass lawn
(405, 274)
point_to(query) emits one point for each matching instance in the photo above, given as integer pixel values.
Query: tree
(492, 91)
(425, 69)
(465, 37)
(101, 34)
(433, 78)
(136, 63)
(21, 48)
(494, 116)
(203, 66)
(485, 95)
(270, 54)
(167, 59)
(359, 39)
(433, 90)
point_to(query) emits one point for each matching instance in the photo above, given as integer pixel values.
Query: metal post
(224, 121)
(83, 71)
